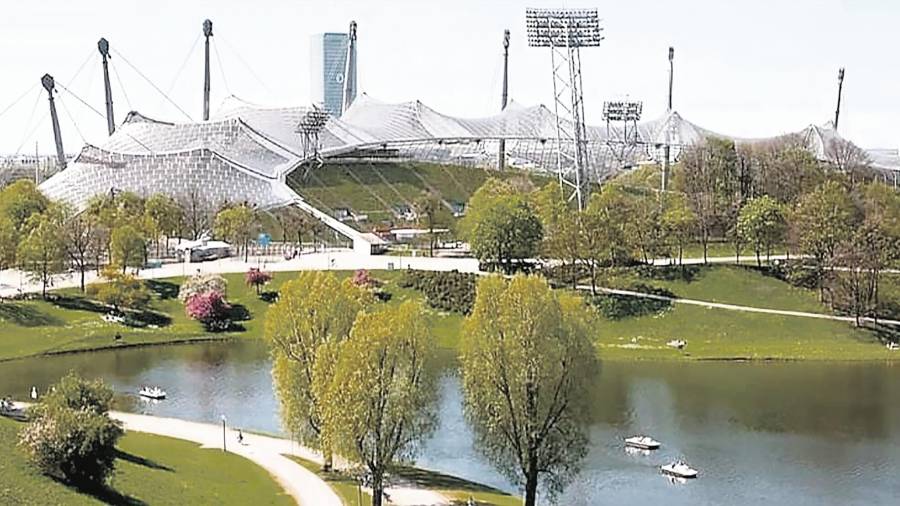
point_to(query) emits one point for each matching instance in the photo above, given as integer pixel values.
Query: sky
(744, 68)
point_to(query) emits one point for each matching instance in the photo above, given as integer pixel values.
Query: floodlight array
(313, 121)
(563, 27)
(621, 110)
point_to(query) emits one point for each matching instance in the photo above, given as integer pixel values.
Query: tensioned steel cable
(89, 106)
(19, 99)
(155, 87)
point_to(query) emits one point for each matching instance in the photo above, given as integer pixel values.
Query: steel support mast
(837, 111)
(207, 33)
(50, 86)
(504, 97)
(103, 47)
(350, 86)
(565, 32)
(667, 150)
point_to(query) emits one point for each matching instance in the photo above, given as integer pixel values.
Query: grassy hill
(373, 188)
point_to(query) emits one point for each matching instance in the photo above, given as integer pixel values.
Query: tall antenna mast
(501, 155)
(837, 112)
(207, 32)
(350, 72)
(103, 47)
(667, 151)
(50, 86)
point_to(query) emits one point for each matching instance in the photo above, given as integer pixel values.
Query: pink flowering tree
(257, 278)
(363, 279)
(209, 308)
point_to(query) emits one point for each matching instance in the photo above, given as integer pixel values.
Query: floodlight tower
(350, 72)
(50, 86)
(504, 96)
(207, 33)
(623, 139)
(103, 47)
(837, 111)
(667, 150)
(312, 122)
(565, 32)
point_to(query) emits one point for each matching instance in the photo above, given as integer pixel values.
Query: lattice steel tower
(565, 32)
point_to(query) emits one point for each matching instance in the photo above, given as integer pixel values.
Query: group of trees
(354, 378)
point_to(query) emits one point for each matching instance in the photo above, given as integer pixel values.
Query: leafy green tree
(128, 247)
(431, 214)
(71, 436)
(763, 223)
(823, 219)
(501, 225)
(41, 252)
(379, 404)
(81, 240)
(235, 224)
(9, 241)
(560, 226)
(527, 367)
(120, 290)
(680, 222)
(647, 225)
(20, 200)
(164, 217)
(314, 313)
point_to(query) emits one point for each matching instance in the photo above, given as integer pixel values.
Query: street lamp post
(224, 449)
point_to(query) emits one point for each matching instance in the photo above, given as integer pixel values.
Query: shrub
(120, 291)
(363, 279)
(617, 306)
(210, 309)
(202, 283)
(71, 436)
(257, 278)
(448, 291)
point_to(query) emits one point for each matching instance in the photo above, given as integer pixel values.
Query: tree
(501, 225)
(680, 222)
(81, 240)
(560, 226)
(210, 309)
(647, 226)
(848, 158)
(431, 214)
(607, 233)
(164, 217)
(763, 223)
(41, 253)
(71, 436)
(120, 290)
(380, 400)
(127, 247)
(196, 213)
(314, 313)
(527, 367)
(823, 219)
(19, 201)
(9, 241)
(257, 278)
(235, 224)
(202, 283)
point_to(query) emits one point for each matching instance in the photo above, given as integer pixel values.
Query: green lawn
(456, 489)
(150, 470)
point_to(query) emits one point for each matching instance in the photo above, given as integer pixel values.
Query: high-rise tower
(329, 64)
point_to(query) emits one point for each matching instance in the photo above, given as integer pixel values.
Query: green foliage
(19, 201)
(527, 366)
(379, 403)
(71, 435)
(616, 307)
(9, 241)
(314, 312)
(762, 223)
(822, 220)
(235, 224)
(41, 250)
(128, 247)
(679, 221)
(500, 225)
(120, 291)
(448, 291)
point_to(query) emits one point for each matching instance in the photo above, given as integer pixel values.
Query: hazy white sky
(747, 68)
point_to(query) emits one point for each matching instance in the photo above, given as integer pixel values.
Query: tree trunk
(377, 489)
(758, 260)
(82, 277)
(531, 483)
(327, 461)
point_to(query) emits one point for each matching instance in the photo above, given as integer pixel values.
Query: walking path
(303, 485)
(735, 307)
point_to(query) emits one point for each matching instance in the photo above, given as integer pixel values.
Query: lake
(798, 433)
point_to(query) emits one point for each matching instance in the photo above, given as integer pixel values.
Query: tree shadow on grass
(26, 315)
(239, 313)
(78, 304)
(269, 296)
(885, 333)
(686, 273)
(141, 461)
(147, 318)
(104, 494)
(164, 289)
(422, 478)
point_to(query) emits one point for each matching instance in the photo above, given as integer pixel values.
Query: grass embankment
(374, 188)
(455, 489)
(150, 470)
(727, 334)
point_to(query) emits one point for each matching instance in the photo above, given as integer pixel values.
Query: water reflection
(804, 433)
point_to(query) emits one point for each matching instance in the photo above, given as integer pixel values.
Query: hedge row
(448, 291)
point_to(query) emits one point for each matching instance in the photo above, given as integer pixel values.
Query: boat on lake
(152, 393)
(642, 442)
(679, 469)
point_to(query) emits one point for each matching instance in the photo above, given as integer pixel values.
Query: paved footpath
(268, 452)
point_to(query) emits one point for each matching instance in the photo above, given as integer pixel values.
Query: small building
(404, 212)
(203, 250)
(410, 235)
(342, 214)
(457, 208)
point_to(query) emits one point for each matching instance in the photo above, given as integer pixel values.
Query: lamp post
(224, 449)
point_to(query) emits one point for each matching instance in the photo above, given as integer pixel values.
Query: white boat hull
(688, 474)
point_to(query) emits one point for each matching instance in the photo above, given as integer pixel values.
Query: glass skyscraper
(329, 62)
